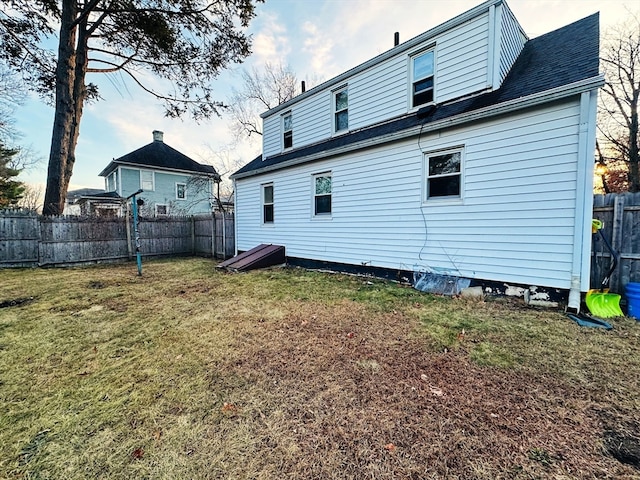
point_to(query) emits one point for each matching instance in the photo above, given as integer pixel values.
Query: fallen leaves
(435, 391)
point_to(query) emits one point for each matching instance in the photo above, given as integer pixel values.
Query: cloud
(318, 47)
(270, 42)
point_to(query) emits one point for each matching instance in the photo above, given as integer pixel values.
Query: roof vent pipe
(396, 39)
(158, 136)
(304, 87)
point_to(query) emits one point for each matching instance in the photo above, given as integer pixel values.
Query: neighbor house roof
(160, 156)
(560, 63)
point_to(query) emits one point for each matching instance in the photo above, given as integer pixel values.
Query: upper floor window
(112, 182)
(341, 110)
(267, 203)
(181, 191)
(146, 180)
(444, 173)
(287, 130)
(322, 194)
(422, 79)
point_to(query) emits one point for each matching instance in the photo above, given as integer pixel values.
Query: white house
(467, 150)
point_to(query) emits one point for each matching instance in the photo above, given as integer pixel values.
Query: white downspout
(584, 201)
(235, 216)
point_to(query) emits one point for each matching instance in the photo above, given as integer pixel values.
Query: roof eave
(475, 115)
(115, 163)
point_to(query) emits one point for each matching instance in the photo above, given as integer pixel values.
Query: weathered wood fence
(621, 216)
(30, 240)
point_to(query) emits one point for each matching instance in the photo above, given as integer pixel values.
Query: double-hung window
(112, 182)
(443, 174)
(341, 109)
(287, 130)
(422, 69)
(322, 194)
(181, 191)
(146, 180)
(267, 203)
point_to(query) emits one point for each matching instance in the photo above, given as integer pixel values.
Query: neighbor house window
(341, 110)
(162, 209)
(444, 173)
(287, 129)
(181, 191)
(112, 182)
(422, 79)
(322, 194)
(267, 203)
(146, 180)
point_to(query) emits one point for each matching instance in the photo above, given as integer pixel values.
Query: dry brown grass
(189, 372)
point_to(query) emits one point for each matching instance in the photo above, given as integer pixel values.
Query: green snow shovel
(600, 302)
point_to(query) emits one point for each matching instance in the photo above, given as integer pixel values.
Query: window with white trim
(112, 181)
(267, 203)
(287, 130)
(181, 191)
(322, 194)
(443, 174)
(341, 110)
(422, 78)
(162, 209)
(147, 180)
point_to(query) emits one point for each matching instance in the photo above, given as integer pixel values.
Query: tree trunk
(57, 173)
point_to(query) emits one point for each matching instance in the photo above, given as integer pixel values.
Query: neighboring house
(172, 183)
(466, 150)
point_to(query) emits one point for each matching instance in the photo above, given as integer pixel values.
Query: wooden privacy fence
(621, 216)
(30, 240)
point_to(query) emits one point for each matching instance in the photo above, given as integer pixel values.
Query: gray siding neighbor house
(466, 151)
(172, 183)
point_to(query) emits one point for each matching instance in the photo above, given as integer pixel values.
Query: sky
(316, 38)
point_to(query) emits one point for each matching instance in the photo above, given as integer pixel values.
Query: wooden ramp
(258, 257)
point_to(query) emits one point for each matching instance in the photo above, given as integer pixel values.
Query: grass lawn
(193, 373)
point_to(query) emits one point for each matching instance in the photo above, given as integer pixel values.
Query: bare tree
(259, 91)
(11, 96)
(32, 198)
(618, 112)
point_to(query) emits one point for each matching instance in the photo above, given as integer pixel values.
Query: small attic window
(341, 110)
(422, 78)
(287, 130)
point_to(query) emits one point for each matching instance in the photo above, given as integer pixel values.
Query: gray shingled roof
(558, 58)
(159, 155)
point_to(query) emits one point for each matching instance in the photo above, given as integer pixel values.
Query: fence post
(193, 235)
(213, 234)
(128, 228)
(616, 236)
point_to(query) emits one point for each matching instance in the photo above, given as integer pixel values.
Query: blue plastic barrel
(633, 299)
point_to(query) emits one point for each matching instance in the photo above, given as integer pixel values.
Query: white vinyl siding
(380, 92)
(271, 134)
(512, 41)
(462, 57)
(519, 203)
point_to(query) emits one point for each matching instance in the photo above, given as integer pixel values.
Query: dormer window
(422, 79)
(341, 110)
(287, 130)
